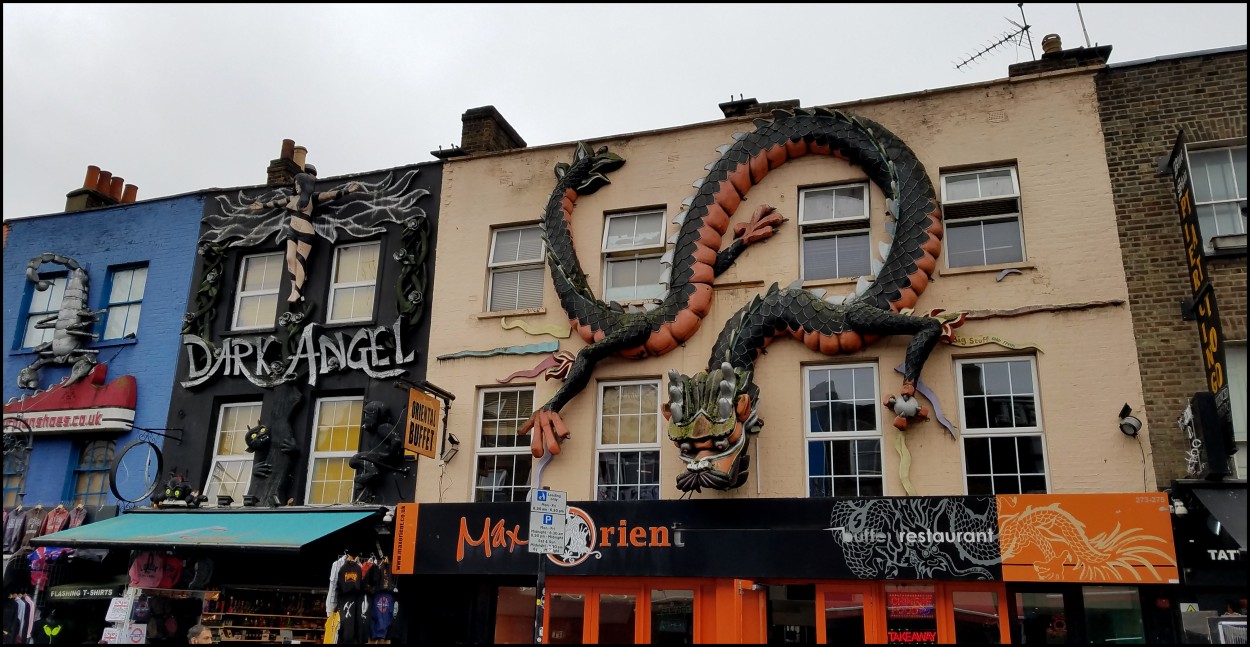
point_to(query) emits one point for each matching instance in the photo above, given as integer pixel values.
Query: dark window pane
(871, 487)
(608, 468)
(1026, 412)
(841, 384)
(1030, 452)
(978, 455)
(865, 387)
(1021, 377)
(819, 487)
(1002, 242)
(629, 467)
(980, 485)
(820, 417)
(841, 457)
(1003, 455)
(817, 458)
(843, 415)
(868, 456)
(651, 492)
(845, 486)
(1033, 484)
(972, 379)
(999, 409)
(866, 416)
(1006, 485)
(974, 409)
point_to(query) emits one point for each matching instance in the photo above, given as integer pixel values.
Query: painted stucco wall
(161, 233)
(1087, 365)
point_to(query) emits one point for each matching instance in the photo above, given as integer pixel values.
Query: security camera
(451, 438)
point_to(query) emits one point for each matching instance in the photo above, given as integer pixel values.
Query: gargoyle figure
(386, 453)
(258, 440)
(178, 492)
(693, 262)
(709, 412)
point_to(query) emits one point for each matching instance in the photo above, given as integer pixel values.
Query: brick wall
(1142, 107)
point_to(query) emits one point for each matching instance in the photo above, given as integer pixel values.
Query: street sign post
(548, 513)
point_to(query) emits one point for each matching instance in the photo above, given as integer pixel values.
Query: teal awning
(281, 530)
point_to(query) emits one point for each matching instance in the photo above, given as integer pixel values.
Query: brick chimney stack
(1055, 57)
(282, 171)
(483, 130)
(100, 189)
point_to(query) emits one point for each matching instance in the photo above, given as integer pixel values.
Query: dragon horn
(675, 401)
(727, 387)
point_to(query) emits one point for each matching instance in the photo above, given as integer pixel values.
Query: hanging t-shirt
(332, 594)
(382, 615)
(56, 520)
(332, 629)
(34, 525)
(13, 528)
(171, 572)
(77, 516)
(147, 570)
(354, 619)
(350, 580)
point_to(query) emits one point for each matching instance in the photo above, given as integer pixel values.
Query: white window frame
(1018, 216)
(1235, 364)
(1037, 430)
(1228, 148)
(126, 304)
(810, 436)
(239, 293)
(313, 454)
(813, 228)
(521, 451)
(513, 266)
(619, 448)
(45, 334)
(335, 287)
(214, 487)
(632, 253)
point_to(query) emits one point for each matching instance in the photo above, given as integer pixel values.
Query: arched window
(91, 474)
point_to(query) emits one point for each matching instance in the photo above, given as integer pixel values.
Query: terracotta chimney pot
(288, 149)
(115, 188)
(130, 193)
(301, 154)
(93, 177)
(105, 182)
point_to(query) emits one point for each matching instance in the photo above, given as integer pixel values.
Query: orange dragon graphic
(1069, 553)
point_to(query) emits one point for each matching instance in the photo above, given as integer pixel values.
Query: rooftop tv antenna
(1016, 36)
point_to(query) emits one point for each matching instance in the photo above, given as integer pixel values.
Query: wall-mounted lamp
(1129, 424)
(453, 446)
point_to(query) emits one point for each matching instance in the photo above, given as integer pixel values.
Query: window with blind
(42, 304)
(516, 269)
(1219, 178)
(833, 225)
(256, 299)
(354, 282)
(126, 287)
(632, 246)
(232, 464)
(981, 211)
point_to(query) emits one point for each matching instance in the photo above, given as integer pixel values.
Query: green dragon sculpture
(712, 413)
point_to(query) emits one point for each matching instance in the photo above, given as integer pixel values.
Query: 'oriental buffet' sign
(378, 351)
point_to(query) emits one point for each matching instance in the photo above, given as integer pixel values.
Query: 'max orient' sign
(376, 351)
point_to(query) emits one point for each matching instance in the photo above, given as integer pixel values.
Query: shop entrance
(622, 611)
(860, 613)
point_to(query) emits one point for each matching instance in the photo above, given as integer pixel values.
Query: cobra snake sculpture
(711, 413)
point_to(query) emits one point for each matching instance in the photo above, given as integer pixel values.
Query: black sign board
(904, 538)
(1210, 335)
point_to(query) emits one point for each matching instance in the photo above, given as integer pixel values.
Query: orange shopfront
(901, 570)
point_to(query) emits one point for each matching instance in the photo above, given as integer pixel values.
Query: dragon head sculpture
(710, 418)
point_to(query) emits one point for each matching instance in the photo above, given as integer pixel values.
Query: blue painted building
(138, 259)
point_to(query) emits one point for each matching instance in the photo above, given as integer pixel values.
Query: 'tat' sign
(421, 434)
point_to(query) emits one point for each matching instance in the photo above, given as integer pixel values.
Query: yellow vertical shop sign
(422, 434)
(405, 553)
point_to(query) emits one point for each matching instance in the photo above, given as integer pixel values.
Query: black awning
(1228, 507)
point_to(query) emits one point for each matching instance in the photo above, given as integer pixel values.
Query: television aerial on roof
(1016, 36)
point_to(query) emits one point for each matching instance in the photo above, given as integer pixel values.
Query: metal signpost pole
(548, 516)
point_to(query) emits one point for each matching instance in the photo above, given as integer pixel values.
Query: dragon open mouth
(718, 470)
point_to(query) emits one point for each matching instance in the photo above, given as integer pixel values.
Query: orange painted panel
(403, 557)
(1087, 538)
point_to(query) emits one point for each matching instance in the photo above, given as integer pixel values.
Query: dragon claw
(764, 223)
(549, 431)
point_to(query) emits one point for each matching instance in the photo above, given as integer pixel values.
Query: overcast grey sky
(177, 98)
